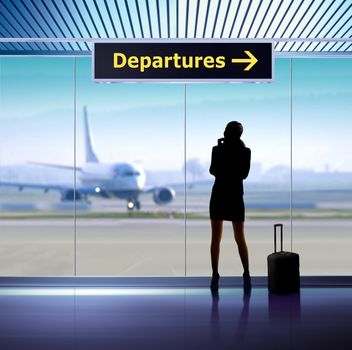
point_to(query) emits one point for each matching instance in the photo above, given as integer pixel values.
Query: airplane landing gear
(131, 205)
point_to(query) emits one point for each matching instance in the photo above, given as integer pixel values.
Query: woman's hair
(233, 130)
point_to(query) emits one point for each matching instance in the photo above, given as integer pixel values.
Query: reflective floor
(174, 318)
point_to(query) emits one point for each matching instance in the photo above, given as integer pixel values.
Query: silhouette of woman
(230, 163)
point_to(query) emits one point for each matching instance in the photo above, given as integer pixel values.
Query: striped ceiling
(281, 20)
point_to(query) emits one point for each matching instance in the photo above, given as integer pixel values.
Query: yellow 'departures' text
(142, 63)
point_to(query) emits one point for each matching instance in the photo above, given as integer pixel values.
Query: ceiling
(68, 27)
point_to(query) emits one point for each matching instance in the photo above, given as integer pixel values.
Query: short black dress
(230, 163)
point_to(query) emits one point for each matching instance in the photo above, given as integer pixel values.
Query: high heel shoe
(247, 284)
(214, 285)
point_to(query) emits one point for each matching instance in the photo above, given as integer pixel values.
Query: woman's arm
(246, 162)
(214, 162)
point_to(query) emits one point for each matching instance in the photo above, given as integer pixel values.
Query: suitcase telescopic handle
(281, 229)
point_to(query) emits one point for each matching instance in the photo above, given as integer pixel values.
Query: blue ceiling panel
(326, 25)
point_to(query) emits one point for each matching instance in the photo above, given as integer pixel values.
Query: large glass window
(322, 165)
(36, 135)
(139, 156)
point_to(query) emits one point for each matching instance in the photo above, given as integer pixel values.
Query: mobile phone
(221, 141)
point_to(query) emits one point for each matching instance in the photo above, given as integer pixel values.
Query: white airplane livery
(108, 180)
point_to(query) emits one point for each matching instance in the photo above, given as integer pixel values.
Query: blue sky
(145, 122)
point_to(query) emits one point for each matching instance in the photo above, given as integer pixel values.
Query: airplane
(107, 180)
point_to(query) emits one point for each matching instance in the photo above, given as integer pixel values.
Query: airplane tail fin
(90, 155)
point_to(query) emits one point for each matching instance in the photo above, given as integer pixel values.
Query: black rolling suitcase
(283, 269)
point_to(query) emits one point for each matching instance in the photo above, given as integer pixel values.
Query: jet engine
(163, 195)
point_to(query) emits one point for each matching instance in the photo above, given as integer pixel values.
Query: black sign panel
(182, 61)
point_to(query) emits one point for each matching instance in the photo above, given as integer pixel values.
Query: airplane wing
(44, 187)
(66, 190)
(57, 166)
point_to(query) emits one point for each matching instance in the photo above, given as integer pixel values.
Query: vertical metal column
(75, 168)
(185, 171)
(291, 154)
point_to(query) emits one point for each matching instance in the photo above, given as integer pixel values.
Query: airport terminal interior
(105, 183)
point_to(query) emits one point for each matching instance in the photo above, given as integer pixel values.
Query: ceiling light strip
(254, 19)
(74, 22)
(272, 20)
(235, 19)
(299, 22)
(64, 21)
(130, 18)
(326, 23)
(91, 18)
(321, 17)
(120, 18)
(196, 20)
(187, 18)
(282, 19)
(4, 46)
(339, 20)
(316, 24)
(177, 17)
(321, 29)
(11, 49)
(168, 17)
(347, 20)
(101, 19)
(263, 19)
(139, 18)
(348, 48)
(37, 23)
(292, 18)
(16, 21)
(337, 43)
(149, 20)
(336, 33)
(82, 19)
(48, 25)
(309, 21)
(225, 18)
(216, 18)
(206, 19)
(14, 44)
(340, 48)
(57, 25)
(110, 18)
(244, 19)
(158, 16)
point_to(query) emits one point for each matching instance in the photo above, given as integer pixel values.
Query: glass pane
(135, 160)
(264, 111)
(322, 165)
(37, 228)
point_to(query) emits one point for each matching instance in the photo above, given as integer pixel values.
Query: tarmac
(162, 247)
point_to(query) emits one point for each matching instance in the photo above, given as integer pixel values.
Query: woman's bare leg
(216, 233)
(238, 230)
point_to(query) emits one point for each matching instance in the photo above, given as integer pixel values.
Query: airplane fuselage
(121, 180)
(108, 180)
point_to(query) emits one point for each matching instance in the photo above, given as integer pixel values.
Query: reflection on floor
(174, 318)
